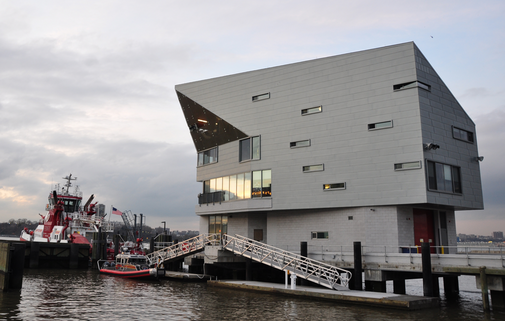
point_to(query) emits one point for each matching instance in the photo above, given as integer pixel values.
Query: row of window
(241, 186)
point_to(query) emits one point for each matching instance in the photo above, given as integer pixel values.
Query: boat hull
(139, 274)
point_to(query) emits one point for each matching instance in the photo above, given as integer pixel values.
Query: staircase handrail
(185, 247)
(315, 271)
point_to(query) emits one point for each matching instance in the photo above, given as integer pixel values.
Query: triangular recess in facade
(207, 129)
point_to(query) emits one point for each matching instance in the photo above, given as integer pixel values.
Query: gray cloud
(87, 87)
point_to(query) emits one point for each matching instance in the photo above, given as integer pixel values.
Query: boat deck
(386, 300)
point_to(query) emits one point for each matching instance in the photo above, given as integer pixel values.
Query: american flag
(115, 211)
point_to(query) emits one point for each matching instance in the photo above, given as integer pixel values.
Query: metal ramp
(315, 271)
(127, 217)
(186, 247)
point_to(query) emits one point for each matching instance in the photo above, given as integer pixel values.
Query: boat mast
(68, 184)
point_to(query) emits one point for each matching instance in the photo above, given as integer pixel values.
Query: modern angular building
(369, 146)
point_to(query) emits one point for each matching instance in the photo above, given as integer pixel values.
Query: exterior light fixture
(479, 158)
(431, 146)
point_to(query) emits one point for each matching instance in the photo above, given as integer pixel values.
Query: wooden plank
(472, 270)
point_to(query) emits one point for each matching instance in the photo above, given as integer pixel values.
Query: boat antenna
(69, 179)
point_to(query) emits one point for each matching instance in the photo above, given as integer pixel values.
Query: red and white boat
(66, 220)
(130, 266)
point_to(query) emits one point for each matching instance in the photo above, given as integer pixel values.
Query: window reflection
(246, 185)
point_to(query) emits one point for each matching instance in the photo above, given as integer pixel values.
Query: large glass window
(444, 178)
(208, 156)
(236, 187)
(250, 149)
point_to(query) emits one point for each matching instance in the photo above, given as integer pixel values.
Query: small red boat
(131, 266)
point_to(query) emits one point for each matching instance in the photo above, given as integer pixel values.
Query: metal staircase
(315, 271)
(188, 246)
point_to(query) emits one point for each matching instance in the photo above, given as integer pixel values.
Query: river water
(87, 295)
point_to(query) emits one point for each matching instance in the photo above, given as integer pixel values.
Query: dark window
(444, 178)
(249, 149)
(319, 235)
(333, 186)
(412, 84)
(462, 134)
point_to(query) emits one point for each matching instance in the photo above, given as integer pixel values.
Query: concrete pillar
(399, 286)
(451, 285)
(358, 269)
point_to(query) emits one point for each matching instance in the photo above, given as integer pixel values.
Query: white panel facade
(356, 92)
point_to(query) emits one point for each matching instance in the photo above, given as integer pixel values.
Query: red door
(423, 228)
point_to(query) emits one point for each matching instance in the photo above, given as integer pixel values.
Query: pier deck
(386, 300)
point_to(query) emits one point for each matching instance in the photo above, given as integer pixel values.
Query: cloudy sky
(87, 87)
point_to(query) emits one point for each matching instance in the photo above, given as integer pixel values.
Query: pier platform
(377, 299)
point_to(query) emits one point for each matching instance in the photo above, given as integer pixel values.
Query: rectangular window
(412, 84)
(233, 187)
(207, 157)
(406, 166)
(300, 143)
(444, 178)
(218, 224)
(266, 183)
(333, 186)
(261, 97)
(250, 149)
(226, 188)
(381, 125)
(462, 134)
(313, 168)
(312, 110)
(319, 235)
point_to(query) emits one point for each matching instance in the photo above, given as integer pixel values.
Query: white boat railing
(315, 271)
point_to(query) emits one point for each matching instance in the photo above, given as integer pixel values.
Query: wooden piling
(483, 286)
(358, 269)
(427, 275)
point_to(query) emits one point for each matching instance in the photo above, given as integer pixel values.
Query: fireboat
(66, 221)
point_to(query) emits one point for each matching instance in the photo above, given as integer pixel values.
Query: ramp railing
(188, 246)
(324, 274)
